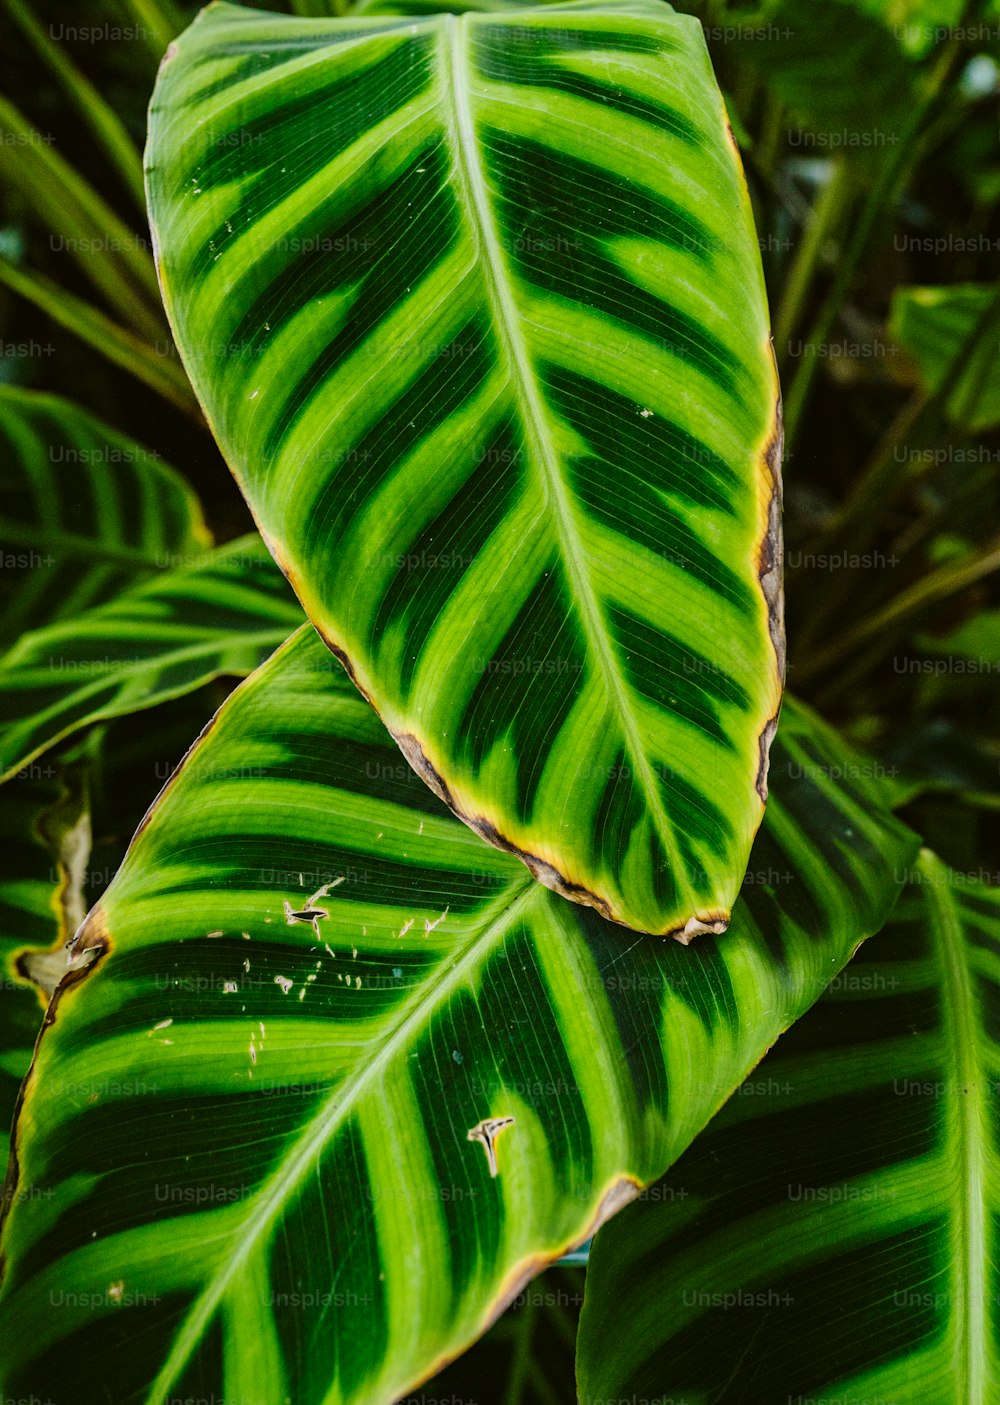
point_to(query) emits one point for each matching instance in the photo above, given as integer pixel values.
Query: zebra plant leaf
(163, 638)
(340, 1077)
(474, 305)
(84, 512)
(833, 1234)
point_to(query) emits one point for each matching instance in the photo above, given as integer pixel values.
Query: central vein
(534, 412)
(961, 1019)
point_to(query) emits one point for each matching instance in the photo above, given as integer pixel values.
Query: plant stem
(823, 219)
(856, 525)
(882, 193)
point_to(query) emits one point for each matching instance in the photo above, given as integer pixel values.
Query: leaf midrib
(456, 66)
(264, 1208)
(961, 1018)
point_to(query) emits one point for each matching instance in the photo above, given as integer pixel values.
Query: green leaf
(971, 648)
(475, 308)
(85, 512)
(841, 73)
(148, 362)
(44, 841)
(107, 128)
(918, 25)
(223, 614)
(109, 254)
(832, 1235)
(309, 984)
(935, 325)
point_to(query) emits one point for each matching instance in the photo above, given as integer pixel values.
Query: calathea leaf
(339, 1077)
(86, 512)
(832, 1235)
(474, 305)
(221, 614)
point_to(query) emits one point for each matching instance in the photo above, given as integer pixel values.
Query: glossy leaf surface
(255, 1150)
(833, 1234)
(474, 306)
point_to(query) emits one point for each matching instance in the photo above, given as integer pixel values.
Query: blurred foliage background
(870, 132)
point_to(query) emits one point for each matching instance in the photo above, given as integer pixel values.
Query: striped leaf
(84, 512)
(158, 640)
(341, 1078)
(832, 1236)
(475, 308)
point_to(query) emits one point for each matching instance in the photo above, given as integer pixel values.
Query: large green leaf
(165, 637)
(250, 1154)
(475, 308)
(833, 1234)
(84, 512)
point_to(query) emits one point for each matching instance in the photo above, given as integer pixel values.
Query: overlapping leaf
(84, 512)
(833, 1233)
(244, 1154)
(475, 308)
(222, 615)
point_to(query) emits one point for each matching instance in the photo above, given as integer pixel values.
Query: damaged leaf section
(486, 1133)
